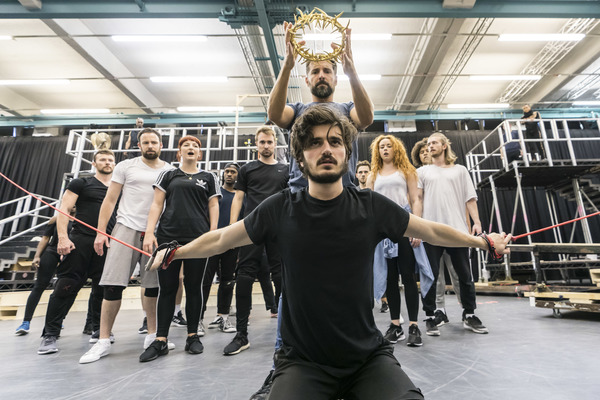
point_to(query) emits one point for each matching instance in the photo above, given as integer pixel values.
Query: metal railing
(26, 207)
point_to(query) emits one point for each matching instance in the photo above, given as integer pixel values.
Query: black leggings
(406, 267)
(168, 280)
(226, 262)
(48, 263)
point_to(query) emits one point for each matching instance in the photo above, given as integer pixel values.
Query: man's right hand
(99, 244)
(65, 246)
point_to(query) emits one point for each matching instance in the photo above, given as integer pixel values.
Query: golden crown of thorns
(322, 21)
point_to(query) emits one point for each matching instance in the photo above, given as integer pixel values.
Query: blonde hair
(449, 155)
(400, 161)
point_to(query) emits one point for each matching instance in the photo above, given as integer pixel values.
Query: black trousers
(247, 272)
(460, 261)
(168, 280)
(72, 273)
(380, 377)
(225, 263)
(403, 265)
(48, 263)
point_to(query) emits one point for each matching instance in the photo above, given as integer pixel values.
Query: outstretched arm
(209, 244)
(446, 236)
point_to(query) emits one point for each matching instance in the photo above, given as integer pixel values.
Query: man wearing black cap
(226, 261)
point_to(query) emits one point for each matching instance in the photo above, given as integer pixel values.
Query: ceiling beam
(284, 10)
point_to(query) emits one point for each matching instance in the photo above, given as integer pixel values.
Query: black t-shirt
(259, 181)
(91, 193)
(327, 251)
(185, 216)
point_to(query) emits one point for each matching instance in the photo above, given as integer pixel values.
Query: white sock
(177, 309)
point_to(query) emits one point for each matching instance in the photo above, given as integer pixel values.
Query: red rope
(75, 219)
(554, 226)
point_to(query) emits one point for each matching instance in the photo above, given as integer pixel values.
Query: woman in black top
(190, 198)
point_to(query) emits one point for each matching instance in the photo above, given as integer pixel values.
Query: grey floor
(528, 354)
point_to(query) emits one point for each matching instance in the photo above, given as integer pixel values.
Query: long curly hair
(401, 160)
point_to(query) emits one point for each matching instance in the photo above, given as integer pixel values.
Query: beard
(327, 176)
(150, 156)
(322, 90)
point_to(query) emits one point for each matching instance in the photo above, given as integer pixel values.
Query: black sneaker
(178, 320)
(144, 328)
(432, 329)
(473, 323)
(394, 334)
(384, 307)
(193, 345)
(440, 318)
(238, 344)
(265, 389)
(414, 336)
(156, 349)
(87, 329)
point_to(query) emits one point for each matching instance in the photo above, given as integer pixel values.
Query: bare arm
(209, 244)
(278, 111)
(363, 112)
(67, 203)
(236, 206)
(446, 236)
(213, 212)
(106, 210)
(156, 209)
(474, 213)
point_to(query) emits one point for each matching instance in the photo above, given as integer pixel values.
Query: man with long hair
(449, 194)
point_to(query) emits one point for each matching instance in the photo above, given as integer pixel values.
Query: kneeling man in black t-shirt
(326, 235)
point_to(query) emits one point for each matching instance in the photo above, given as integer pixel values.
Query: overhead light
(5, 37)
(355, 36)
(505, 77)
(210, 109)
(541, 37)
(481, 105)
(587, 103)
(15, 82)
(188, 79)
(77, 111)
(372, 77)
(159, 38)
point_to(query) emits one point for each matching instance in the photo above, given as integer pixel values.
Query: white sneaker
(98, 350)
(151, 337)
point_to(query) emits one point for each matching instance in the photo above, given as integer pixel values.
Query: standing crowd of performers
(328, 244)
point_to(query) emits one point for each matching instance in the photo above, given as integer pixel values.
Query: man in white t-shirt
(449, 194)
(132, 180)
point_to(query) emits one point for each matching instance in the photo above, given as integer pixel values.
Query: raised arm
(156, 209)
(236, 206)
(67, 203)
(106, 210)
(363, 112)
(209, 244)
(278, 111)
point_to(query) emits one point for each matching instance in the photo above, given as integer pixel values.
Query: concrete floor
(527, 355)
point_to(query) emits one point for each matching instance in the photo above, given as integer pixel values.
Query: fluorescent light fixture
(188, 79)
(587, 103)
(77, 111)
(371, 77)
(16, 82)
(481, 105)
(210, 109)
(5, 37)
(355, 36)
(159, 38)
(541, 37)
(505, 77)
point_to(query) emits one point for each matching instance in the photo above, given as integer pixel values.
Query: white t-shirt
(445, 194)
(393, 187)
(137, 179)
